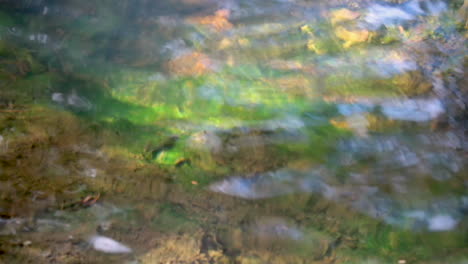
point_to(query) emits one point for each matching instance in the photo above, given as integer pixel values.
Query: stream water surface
(233, 131)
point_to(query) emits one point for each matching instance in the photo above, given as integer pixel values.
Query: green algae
(136, 109)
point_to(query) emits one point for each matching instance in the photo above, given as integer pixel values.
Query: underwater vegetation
(233, 131)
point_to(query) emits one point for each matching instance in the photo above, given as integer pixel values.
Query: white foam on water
(237, 186)
(353, 109)
(379, 15)
(387, 15)
(267, 185)
(442, 223)
(288, 123)
(389, 67)
(437, 7)
(419, 110)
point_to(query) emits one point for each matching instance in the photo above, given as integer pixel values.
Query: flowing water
(233, 131)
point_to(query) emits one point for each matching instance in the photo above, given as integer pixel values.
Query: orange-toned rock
(218, 22)
(352, 37)
(190, 64)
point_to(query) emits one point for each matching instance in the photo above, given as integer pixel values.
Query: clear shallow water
(233, 132)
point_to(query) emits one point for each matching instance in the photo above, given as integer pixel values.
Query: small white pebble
(401, 261)
(108, 245)
(27, 243)
(91, 172)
